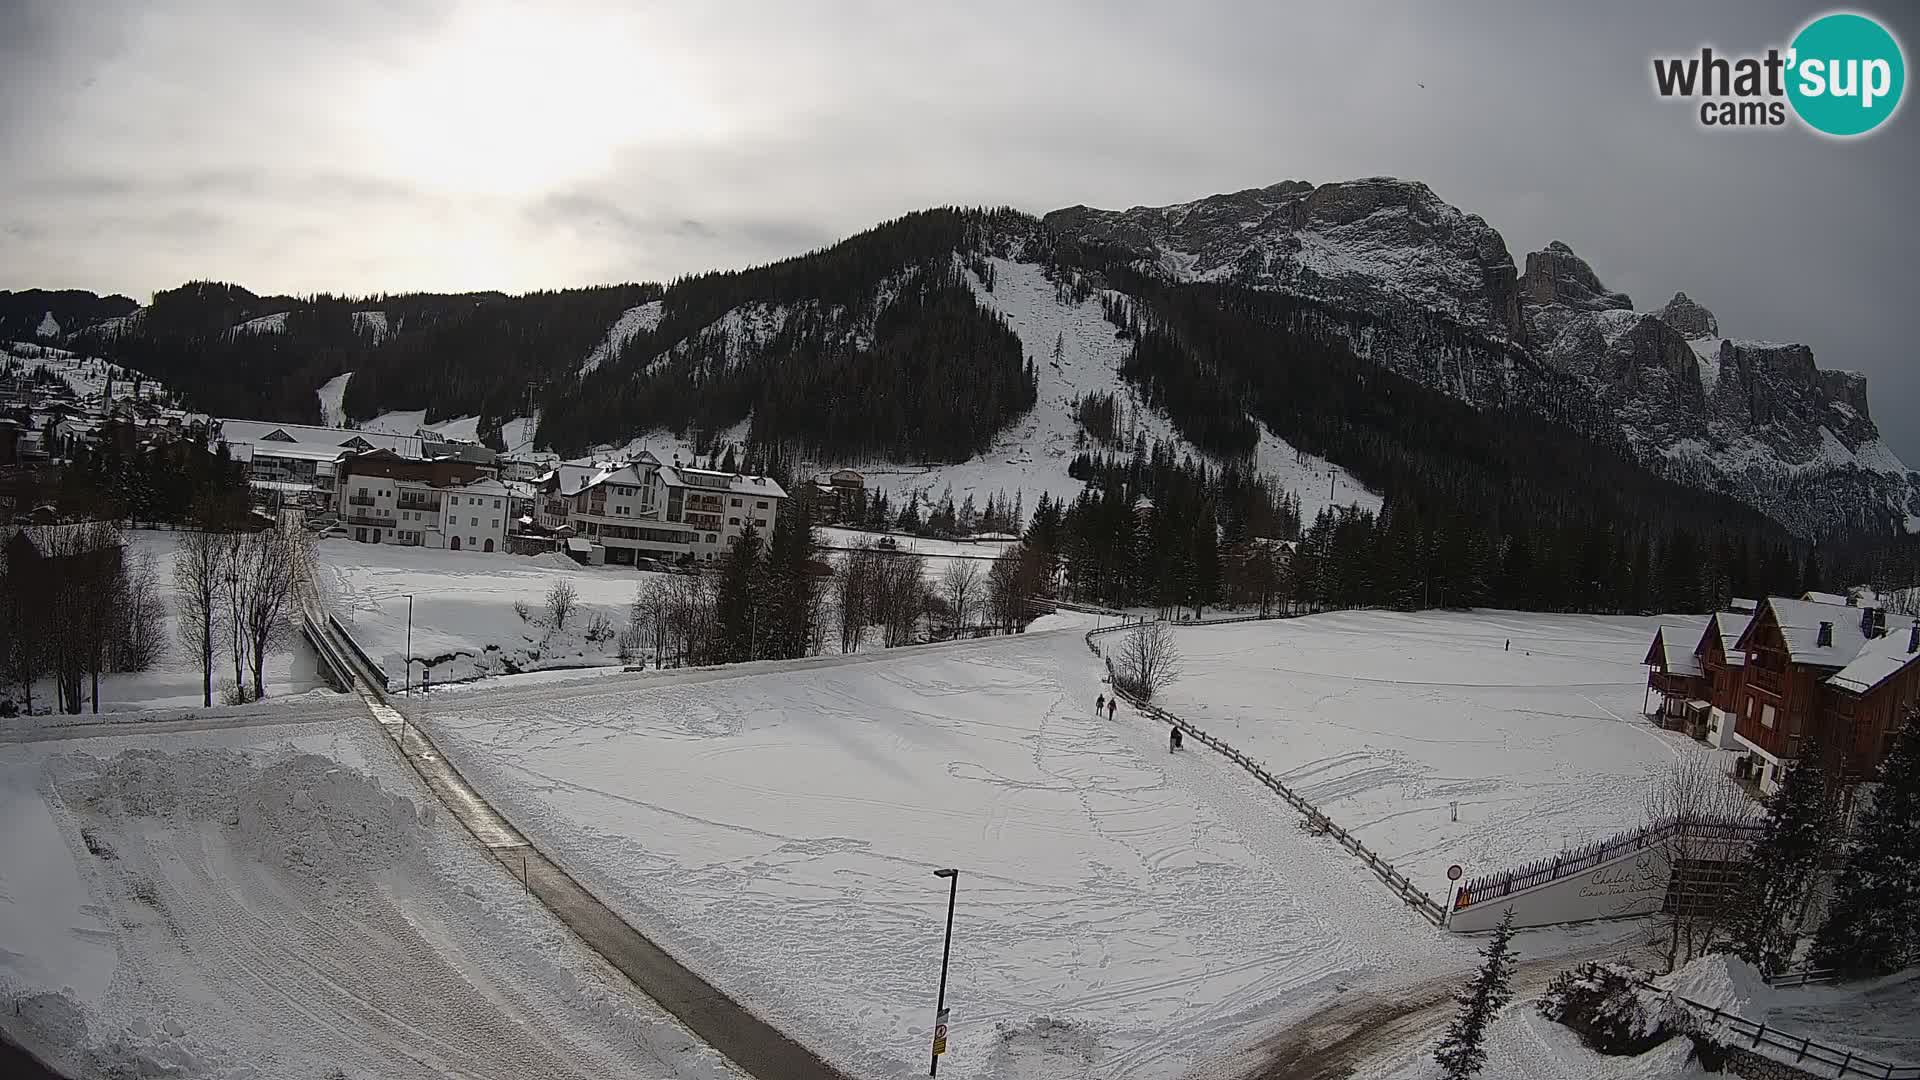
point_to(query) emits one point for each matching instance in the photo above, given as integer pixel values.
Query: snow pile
(1724, 982)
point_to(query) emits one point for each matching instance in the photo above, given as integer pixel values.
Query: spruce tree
(1766, 924)
(736, 614)
(1873, 921)
(1462, 1051)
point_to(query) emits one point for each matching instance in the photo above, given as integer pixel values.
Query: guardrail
(1409, 893)
(336, 670)
(1805, 1050)
(345, 636)
(1581, 859)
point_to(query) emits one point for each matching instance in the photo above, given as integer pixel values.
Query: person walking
(1099, 702)
(1112, 703)
(1173, 739)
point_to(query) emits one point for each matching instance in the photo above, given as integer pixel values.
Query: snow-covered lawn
(464, 623)
(1385, 719)
(1122, 912)
(282, 902)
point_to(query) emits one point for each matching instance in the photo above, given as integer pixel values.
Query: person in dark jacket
(1173, 739)
(1112, 704)
(1099, 702)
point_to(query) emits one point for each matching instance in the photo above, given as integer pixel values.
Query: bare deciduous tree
(959, 585)
(199, 576)
(1016, 578)
(562, 599)
(265, 575)
(1148, 660)
(1697, 796)
(142, 615)
(855, 595)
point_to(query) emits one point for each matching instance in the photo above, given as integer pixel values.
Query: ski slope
(1123, 913)
(283, 902)
(1386, 719)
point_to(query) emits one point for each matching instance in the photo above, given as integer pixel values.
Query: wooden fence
(1584, 858)
(1806, 1052)
(1409, 893)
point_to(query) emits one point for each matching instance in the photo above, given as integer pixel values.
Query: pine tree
(1873, 921)
(1766, 924)
(1463, 1049)
(736, 611)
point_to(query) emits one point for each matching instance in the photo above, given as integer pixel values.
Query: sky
(363, 147)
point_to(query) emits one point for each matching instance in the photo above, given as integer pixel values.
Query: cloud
(380, 146)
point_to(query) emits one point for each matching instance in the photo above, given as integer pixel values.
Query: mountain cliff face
(1755, 420)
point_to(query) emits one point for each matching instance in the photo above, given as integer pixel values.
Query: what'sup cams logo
(1842, 76)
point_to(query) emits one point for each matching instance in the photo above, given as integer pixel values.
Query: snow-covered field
(1386, 719)
(1122, 912)
(464, 623)
(280, 902)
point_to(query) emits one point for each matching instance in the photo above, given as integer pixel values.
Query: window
(496, 523)
(363, 491)
(1766, 716)
(496, 504)
(475, 522)
(712, 539)
(736, 502)
(470, 541)
(761, 505)
(733, 521)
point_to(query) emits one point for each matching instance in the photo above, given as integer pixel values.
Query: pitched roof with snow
(760, 487)
(1730, 625)
(1878, 660)
(264, 433)
(1800, 625)
(1677, 644)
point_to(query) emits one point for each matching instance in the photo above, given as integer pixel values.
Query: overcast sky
(419, 144)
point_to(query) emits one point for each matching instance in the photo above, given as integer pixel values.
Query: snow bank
(275, 902)
(1724, 982)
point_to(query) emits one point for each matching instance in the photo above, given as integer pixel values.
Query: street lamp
(409, 678)
(946, 952)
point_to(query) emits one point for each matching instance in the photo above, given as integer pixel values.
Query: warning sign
(940, 1034)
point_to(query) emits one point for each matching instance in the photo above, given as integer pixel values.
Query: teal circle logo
(1846, 74)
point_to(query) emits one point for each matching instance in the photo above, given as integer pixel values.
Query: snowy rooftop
(1677, 643)
(264, 432)
(1730, 625)
(1800, 622)
(757, 486)
(1878, 661)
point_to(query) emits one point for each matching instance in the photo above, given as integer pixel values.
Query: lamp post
(946, 953)
(409, 678)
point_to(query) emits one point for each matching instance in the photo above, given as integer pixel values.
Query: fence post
(1759, 1031)
(1804, 1042)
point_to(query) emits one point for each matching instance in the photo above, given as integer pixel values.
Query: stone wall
(1745, 1063)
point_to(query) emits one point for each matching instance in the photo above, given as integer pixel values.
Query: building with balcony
(642, 509)
(451, 504)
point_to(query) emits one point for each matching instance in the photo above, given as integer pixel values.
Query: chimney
(1913, 637)
(1866, 623)
(1853, 600)
(1825, 640)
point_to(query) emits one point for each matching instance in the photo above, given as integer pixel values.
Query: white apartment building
(645, 510)
(385, 499)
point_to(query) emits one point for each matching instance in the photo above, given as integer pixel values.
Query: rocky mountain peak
(1555, 275)
(1689, 318)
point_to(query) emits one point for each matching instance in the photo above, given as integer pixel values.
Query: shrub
(1612, 1013)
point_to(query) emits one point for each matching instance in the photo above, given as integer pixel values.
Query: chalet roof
(1677, 644)
(760, 487)
(1813, 597)
(483, 486)
(1730, 625)
(1878, 660)
(1800, 625)
(261, 432)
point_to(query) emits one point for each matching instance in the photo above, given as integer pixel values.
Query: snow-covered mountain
(1755, 420)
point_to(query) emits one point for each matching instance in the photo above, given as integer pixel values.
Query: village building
(643, 510)
(386, 498)
(299, 462)
(1825, 670)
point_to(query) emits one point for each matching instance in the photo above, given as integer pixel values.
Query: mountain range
(1364, 331)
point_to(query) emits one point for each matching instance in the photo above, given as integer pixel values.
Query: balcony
(360, 500)
(1762, 679)
(704, 521)
(369, 519)
(431, 505)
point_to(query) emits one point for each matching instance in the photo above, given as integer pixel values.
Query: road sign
(940, 1034)
(1453, 872)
